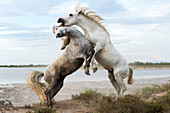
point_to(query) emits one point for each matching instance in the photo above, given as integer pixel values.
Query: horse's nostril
(59, 34)
(60, 20)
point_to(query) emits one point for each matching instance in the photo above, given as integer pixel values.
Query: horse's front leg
(87, 65)
(66, 41)
(97, 48)
(91, 53)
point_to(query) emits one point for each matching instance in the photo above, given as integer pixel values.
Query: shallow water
(19, 75)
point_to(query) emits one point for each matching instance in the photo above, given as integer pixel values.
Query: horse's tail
(34, 83)
(130, 77)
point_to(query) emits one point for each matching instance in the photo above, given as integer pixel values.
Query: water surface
(19, 75)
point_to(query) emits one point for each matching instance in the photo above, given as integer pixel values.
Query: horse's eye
(70, 14)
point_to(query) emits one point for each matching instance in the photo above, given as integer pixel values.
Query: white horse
(105, 53)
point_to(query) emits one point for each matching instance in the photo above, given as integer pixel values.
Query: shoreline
(137, 67)
(150, 68)
(100, 68)
(20, 94)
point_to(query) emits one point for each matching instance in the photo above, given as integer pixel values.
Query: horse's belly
(71, 66)
(103, 61)
(107, 58)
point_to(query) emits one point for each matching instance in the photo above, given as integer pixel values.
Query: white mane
(91, 15)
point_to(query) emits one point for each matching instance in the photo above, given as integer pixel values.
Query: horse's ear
(77, 8)
(79, 12)
(66, 31)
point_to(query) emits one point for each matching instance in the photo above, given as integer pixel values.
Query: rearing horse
(78, 51)
(105, 53)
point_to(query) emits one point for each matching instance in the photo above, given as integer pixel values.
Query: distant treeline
(137, 63)
(29, 65)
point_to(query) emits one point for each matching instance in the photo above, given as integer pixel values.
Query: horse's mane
(91, 15)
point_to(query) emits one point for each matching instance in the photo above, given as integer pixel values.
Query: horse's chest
(71, 53)
(73, 49)
(76, 45)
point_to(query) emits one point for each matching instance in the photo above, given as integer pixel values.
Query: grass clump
(148, 91)
(6, 103)
(135, 104)
(128, 104)
(89, 94)
(164, 101)
(43, 110)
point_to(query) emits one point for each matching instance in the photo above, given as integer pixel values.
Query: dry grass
(149, 91)
(92, 101)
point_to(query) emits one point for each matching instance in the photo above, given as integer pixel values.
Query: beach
(20, 94)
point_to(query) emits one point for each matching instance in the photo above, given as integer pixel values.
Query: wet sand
(20, 94)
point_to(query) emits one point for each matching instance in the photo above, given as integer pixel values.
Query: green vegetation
(155, 99)
(150, 65)
(89, 94)
(5, 103)
(137, 103)
(42, 110)
(129, 103)
(137, 63)
(45, 110)
(30, 65)
(164, 101)
(148, 91)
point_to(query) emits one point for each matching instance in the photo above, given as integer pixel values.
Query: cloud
(63, 8)
(12, 32)
(139, 29)
(37, 50)
(146, 8)
(133, 12)
(23, 7)
(36, 7)
(24, 45)
(106, 7)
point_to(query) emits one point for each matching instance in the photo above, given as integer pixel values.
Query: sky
(139, 29)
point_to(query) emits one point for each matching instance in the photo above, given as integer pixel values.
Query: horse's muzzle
(59, 35)
(61, 20)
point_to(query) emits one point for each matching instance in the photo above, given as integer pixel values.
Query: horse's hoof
(63, 47)
(119, 95)
(87, 72)
(51, 106)
(95, 69)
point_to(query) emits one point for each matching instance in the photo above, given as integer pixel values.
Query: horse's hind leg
(114, 82)
(119, 79)
(53, 89)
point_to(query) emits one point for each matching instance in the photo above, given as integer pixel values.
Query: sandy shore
(20, 94)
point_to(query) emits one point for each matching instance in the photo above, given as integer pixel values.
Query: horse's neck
(88, 26)
(73, 39)
(73, 34)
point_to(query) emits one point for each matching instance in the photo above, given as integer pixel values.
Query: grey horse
(77, 51)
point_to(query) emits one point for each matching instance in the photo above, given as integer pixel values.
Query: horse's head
(72, 18)
(68, 20)
(59, 31)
